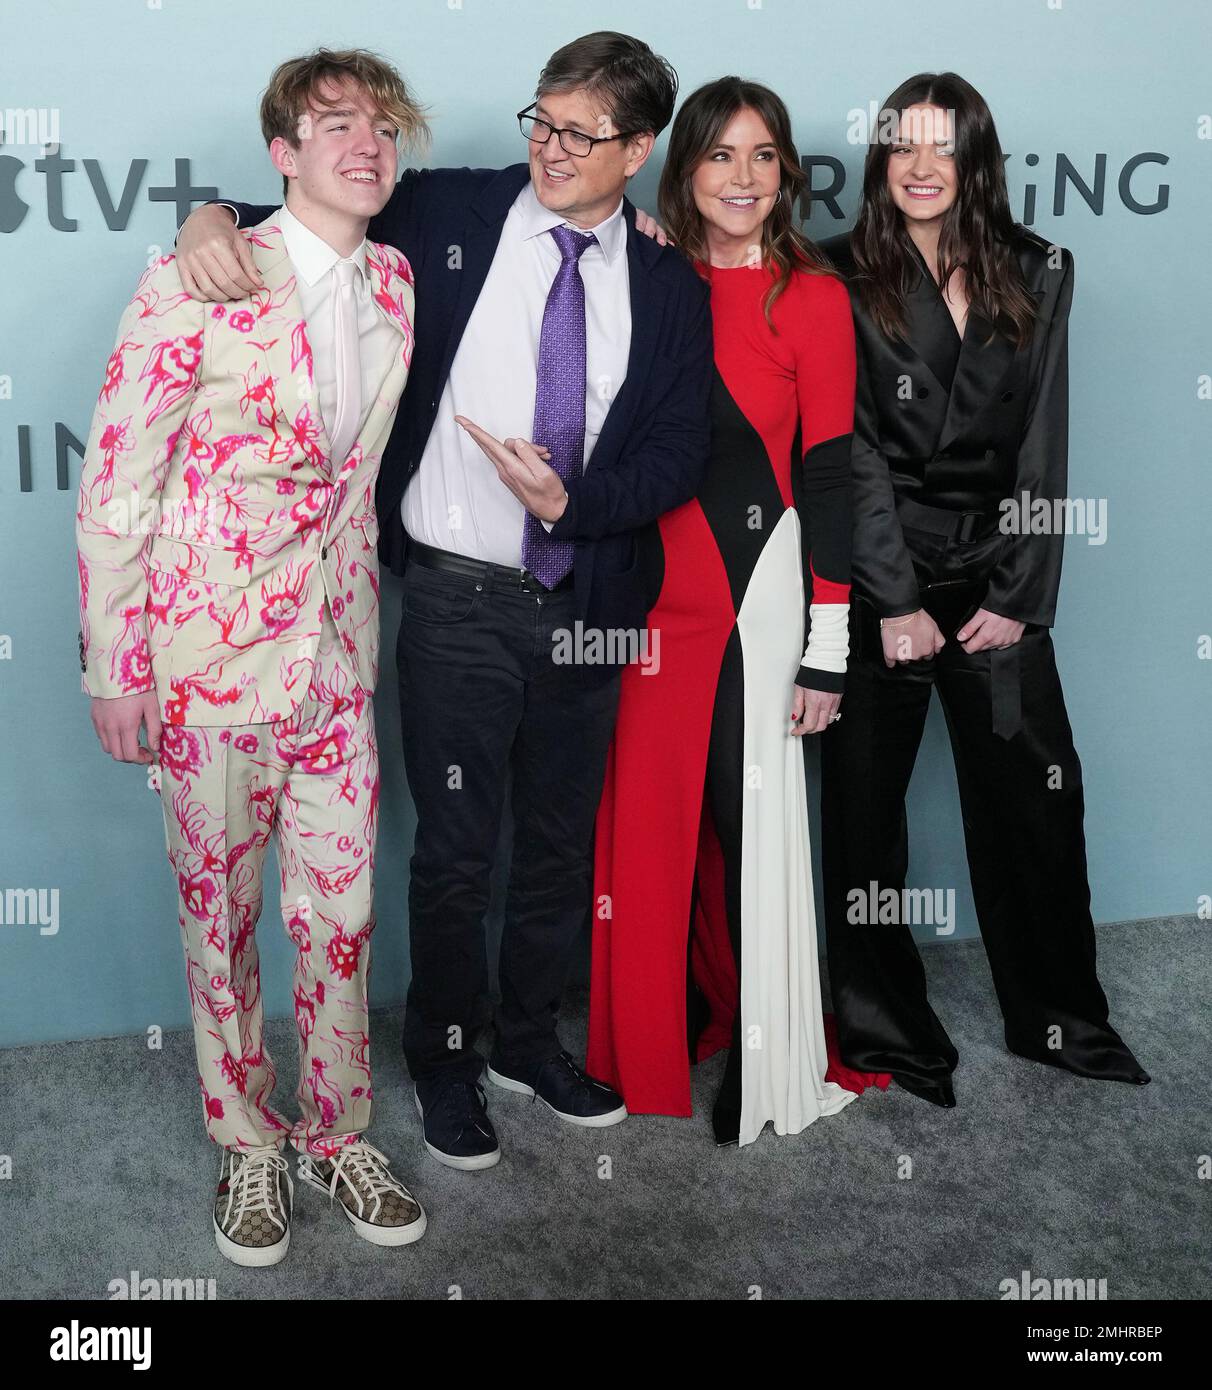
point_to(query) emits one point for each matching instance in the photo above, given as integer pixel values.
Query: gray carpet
(1034, 1170)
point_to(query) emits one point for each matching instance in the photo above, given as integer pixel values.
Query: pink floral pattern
(207, 424)
(225, 793)
(250, 604)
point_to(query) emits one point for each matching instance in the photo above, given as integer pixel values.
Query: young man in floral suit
(230, 610)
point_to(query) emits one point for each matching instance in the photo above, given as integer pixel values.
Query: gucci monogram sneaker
(379, 1207)
(253, 1205)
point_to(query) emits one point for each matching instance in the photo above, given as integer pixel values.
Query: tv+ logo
(59, 177)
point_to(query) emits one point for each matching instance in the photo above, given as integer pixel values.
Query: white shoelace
(252, 1184)
(366, 1166)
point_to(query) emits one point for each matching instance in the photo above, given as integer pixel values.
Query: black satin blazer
(960, 427)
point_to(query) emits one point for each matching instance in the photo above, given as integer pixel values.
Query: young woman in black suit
(961, 319)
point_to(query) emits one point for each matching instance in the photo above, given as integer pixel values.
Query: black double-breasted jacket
(964, 427)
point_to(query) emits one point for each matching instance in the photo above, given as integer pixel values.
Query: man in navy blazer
(556, 407)
(652, 449)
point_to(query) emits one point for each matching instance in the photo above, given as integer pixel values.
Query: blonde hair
(296, 85)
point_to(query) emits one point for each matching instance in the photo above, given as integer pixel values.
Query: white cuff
(829, 638)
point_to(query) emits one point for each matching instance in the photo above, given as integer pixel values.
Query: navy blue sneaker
(563, 1087)
(454, 1115)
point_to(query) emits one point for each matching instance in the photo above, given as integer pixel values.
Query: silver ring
(833, 718)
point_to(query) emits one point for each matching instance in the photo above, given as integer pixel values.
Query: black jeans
(481, 699)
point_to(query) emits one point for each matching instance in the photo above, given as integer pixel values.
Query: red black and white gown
(702, 835)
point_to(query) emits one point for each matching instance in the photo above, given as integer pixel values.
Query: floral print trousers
(311, 782)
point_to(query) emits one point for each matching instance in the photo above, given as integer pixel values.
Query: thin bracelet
(900, 622)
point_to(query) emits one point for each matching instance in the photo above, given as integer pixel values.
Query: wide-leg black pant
(1020, 787)
(483, 703)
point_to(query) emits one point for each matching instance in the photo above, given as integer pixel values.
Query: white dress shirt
(313, 260)
(455, 500)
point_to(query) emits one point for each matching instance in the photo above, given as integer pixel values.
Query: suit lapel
(931, 330)
(647, 296)
(280, 331)
(486, 217)
(394, 300)
(984, 360)
(968, 371)
(386, 399)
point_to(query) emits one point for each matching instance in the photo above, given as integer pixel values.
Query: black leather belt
(940, 521)
(483, 571)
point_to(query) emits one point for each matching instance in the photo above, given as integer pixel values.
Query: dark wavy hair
(697, 130)
(977, 234)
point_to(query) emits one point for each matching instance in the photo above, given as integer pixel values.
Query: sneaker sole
(251, 1256)
(387, 1235)
(612, 1117)
(465, 1163)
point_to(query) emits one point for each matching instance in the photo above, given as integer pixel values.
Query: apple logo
(12, 207)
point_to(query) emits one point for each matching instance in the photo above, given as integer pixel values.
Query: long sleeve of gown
(825, 383)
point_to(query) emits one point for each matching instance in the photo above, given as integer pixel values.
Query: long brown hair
(977, 233)
(697, 130)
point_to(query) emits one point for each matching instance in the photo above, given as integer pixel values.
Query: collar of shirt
(537, 220)
(311, 255)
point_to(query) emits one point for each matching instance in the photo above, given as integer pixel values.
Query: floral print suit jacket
(213, 522)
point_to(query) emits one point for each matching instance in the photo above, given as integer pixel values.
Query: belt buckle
(529, 584)
(968, 524)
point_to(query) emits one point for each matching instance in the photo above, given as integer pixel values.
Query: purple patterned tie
(559, 399)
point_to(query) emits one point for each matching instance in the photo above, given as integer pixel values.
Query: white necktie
(348, 410)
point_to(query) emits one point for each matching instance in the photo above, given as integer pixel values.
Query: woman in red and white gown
(702, 835)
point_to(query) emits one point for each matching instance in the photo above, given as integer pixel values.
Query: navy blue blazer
(652, 451)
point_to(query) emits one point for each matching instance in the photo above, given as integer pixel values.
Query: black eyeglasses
(573, 142)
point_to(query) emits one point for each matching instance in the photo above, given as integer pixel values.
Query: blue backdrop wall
(152, 106)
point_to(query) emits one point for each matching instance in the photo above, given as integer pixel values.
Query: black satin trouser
(1020, 787)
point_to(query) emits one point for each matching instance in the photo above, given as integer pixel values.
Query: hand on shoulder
(214, 258)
